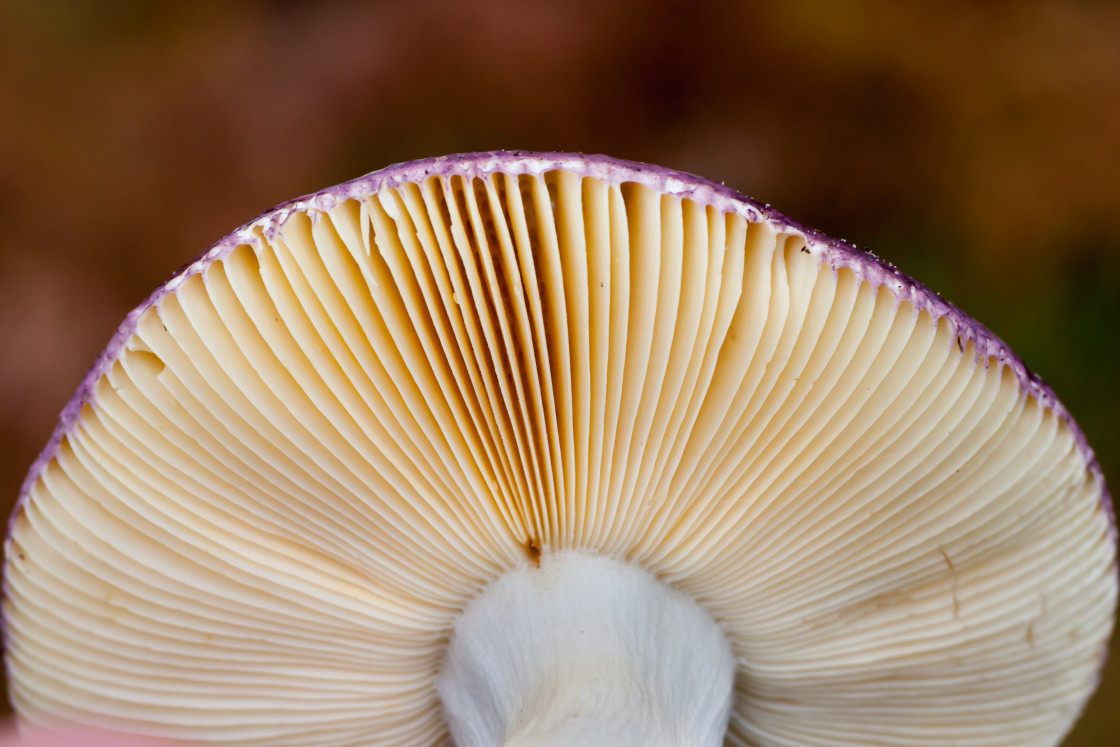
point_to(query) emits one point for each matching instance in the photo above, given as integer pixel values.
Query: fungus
(555, 449)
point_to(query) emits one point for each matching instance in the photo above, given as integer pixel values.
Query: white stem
(585, 650)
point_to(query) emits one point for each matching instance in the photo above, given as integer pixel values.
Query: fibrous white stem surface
(586, 650)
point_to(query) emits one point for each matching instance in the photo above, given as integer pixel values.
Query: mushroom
(557, 449)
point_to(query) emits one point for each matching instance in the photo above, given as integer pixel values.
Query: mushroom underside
(315, 448)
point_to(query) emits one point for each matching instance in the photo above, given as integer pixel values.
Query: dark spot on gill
(953, 581)
(533, 552)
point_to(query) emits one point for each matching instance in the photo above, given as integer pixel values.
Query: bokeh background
(976, 145)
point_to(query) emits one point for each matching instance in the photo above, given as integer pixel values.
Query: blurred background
(975, 145)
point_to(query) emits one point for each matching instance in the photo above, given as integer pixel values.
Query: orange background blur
(976, 145)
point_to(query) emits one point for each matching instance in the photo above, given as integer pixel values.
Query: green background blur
(974, 144)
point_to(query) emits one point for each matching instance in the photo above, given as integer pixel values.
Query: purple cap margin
(836, 253)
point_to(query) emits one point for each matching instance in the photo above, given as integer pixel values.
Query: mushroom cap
(299, 459)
